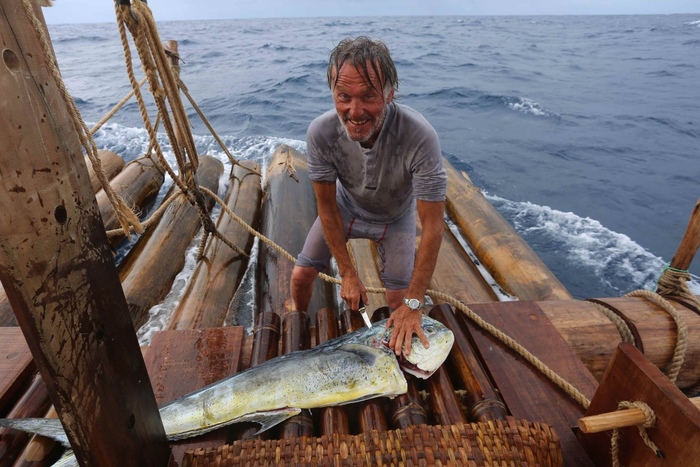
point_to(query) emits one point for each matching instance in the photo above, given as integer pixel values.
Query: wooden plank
(180, 362)
(633, 377)
(16, 365)
(527, 393)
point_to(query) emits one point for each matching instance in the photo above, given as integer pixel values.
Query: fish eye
(429, 328)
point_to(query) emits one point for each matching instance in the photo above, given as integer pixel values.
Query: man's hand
(406, 322)
(351, 290)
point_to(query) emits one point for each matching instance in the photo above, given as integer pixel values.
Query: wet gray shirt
(379, 185)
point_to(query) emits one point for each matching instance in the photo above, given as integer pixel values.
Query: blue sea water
(583, 131)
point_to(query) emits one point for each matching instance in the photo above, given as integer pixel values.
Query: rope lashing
(650, 421)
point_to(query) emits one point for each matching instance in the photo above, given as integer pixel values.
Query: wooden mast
(57, 268)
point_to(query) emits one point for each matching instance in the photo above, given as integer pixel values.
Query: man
(373, 162)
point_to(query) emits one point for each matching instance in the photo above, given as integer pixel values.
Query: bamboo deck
(481, 382)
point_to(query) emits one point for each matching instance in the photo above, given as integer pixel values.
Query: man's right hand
(351, 289)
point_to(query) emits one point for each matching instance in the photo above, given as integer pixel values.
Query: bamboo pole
(33, 403)
(482, 399)
(332, 419)
(296, 335)
(57, 267)
(112, 164)
(511, 262)
(619, 419)
(138, 184)
(266, 338)
(219, 273)
(150, 267)
(289, 210)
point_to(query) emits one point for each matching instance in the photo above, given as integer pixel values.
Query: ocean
(583, 131)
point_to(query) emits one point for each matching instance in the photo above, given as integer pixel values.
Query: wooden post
(689, 243)
(57, 267)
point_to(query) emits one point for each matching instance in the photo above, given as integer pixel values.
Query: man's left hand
(406, 322)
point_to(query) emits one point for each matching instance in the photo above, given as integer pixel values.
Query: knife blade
(363, 311)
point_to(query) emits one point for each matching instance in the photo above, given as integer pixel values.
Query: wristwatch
(413, 303)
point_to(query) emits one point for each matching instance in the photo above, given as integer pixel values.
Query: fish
(351, 368)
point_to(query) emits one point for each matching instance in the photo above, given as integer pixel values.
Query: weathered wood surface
(632, 377)
(149, 269)
(112, 164)
(180, 362)
(689, 243)
(656, 333)
(365, 257)
(589, 333)
(218, 275)
(506, 256)
(289, 210)
(138, 184)
(456, 275)
(57, 267)
(16, 366)
(527, 393)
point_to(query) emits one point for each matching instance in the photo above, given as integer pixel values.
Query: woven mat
(507, 442)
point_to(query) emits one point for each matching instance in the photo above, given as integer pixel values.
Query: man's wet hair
(360, 52)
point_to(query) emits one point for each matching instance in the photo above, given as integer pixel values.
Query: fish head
(422, 362)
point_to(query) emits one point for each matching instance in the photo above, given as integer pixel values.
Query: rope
(232, 159)
(114, 110)
(672, 282)
(682, 339)
(126, 217)
(650, 420)
(567, 387)
(622, 327)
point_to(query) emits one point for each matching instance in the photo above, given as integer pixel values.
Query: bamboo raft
(485, 406)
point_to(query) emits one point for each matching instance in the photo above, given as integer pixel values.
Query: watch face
(413, 303)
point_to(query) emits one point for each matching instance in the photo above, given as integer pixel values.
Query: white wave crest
(614, 258)
(528, 106)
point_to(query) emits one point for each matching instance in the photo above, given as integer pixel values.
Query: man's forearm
(431, 216)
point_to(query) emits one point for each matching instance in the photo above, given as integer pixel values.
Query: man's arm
(351, 288)
(405, 321)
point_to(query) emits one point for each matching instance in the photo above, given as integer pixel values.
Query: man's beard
(364, 137)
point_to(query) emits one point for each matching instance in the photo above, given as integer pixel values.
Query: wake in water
(615, 260)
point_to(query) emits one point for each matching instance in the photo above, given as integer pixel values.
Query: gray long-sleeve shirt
(379, 185)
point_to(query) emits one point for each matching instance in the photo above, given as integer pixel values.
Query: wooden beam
(57, 268)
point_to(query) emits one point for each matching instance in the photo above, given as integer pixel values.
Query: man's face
(360, 107)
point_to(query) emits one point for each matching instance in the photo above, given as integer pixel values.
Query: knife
(363, 311)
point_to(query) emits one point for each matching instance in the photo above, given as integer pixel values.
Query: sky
(98, 11)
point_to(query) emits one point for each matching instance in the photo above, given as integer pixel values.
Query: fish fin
(48, 427)
(266, 419)
(273, 417)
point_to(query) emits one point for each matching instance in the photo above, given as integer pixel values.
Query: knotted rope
(650, 420)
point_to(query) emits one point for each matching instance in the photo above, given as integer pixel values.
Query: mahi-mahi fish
(351, 368)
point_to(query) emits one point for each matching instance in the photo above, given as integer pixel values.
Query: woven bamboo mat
(509, 442)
